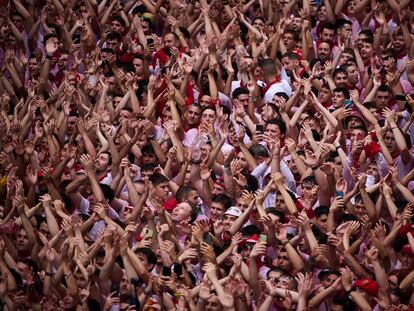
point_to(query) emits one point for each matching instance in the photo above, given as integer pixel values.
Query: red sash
(267, 87)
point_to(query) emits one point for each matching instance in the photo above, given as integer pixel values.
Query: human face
(283, 262)
(340, 79)
(145, 175)
(327, 34)
(361, 38)
(382, 99)
(322, 222)
(213, 304)
(162, 190)
(354, 122)
(325, 95)
(124, 115)
(324, 51)
(149, 158)
(102, 162)
(228, 220)
(63, 61)
(389, 141)
(112, 44)
(398, 43)
(289, 64)
(297, 24)
(268, 113)
(117, 27)
(71, 124)
(216, 210)
(32, 65)
(111, 83)
(217, 189)
(193, 115)
(138, 65)
(328, 280)
(205, 101)
(124, 286)
(322, 14)
(181, 212)
(193, 197)
(242, 204)
(288, 41)
(169, 41)
(273, 131)
(345, 31)
(258, 24)
(22, 240)
(338, 99)
(353, 75)
(208, 116)
(243, 99)
(357, 135)
(366, 50)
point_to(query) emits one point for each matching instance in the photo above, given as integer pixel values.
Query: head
(242, 95)
(324, 50)
(160, 184)
(219, 204)
(352, 73)
(103, 162)
(182, 212)
(170, 40)
(383, 97)
(340, 77)
(339, 95)
(321, 213)
(193, 114)
(289, 39)
(148, 155)
(327, 32)
(118, 24)
(113, 40)
(208, 115)
(276, 128)
(344, 28)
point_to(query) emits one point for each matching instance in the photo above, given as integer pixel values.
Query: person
(206, 155)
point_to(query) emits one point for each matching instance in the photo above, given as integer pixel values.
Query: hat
(407, 250)
(170, 204)
(252, 239)
(325, 272)
(356, 114)
(233, 211)
(369, 286)
(149, 16)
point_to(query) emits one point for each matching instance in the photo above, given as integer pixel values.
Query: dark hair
(252, 183)
(384, 88)
(108, 193)
(223, 199)
(182, 193)
(113, 35)
(338, 71)
(340, 22)
(342, 90)
(239, 91)
(149, 254)
(148, 167)
(274, 211)
(147, 149)
(158, 179)
(321, 210)
(280, 123)
(258, 150)
(309, 179)
(119, 19)
(329, 26)
(268, 66)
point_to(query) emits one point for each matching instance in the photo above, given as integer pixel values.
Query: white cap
(233, 211)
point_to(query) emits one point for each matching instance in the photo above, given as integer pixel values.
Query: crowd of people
(206, 155)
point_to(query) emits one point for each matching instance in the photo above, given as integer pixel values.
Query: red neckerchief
(267, 87)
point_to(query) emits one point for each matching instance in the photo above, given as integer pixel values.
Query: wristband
(51, 274)
(49, 57)
(314, 168)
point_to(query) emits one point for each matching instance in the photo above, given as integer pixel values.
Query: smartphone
(348, 103)
(166, 271)
(260, 128)
(339, 194)
(149, 234)
(115, 288)
(400, 97)
(263, 238)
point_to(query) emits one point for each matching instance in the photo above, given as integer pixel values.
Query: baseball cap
(233, 211)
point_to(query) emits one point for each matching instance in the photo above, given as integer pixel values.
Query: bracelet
(349, 291)
(49, 57)
(51, 274)
(314, 168)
